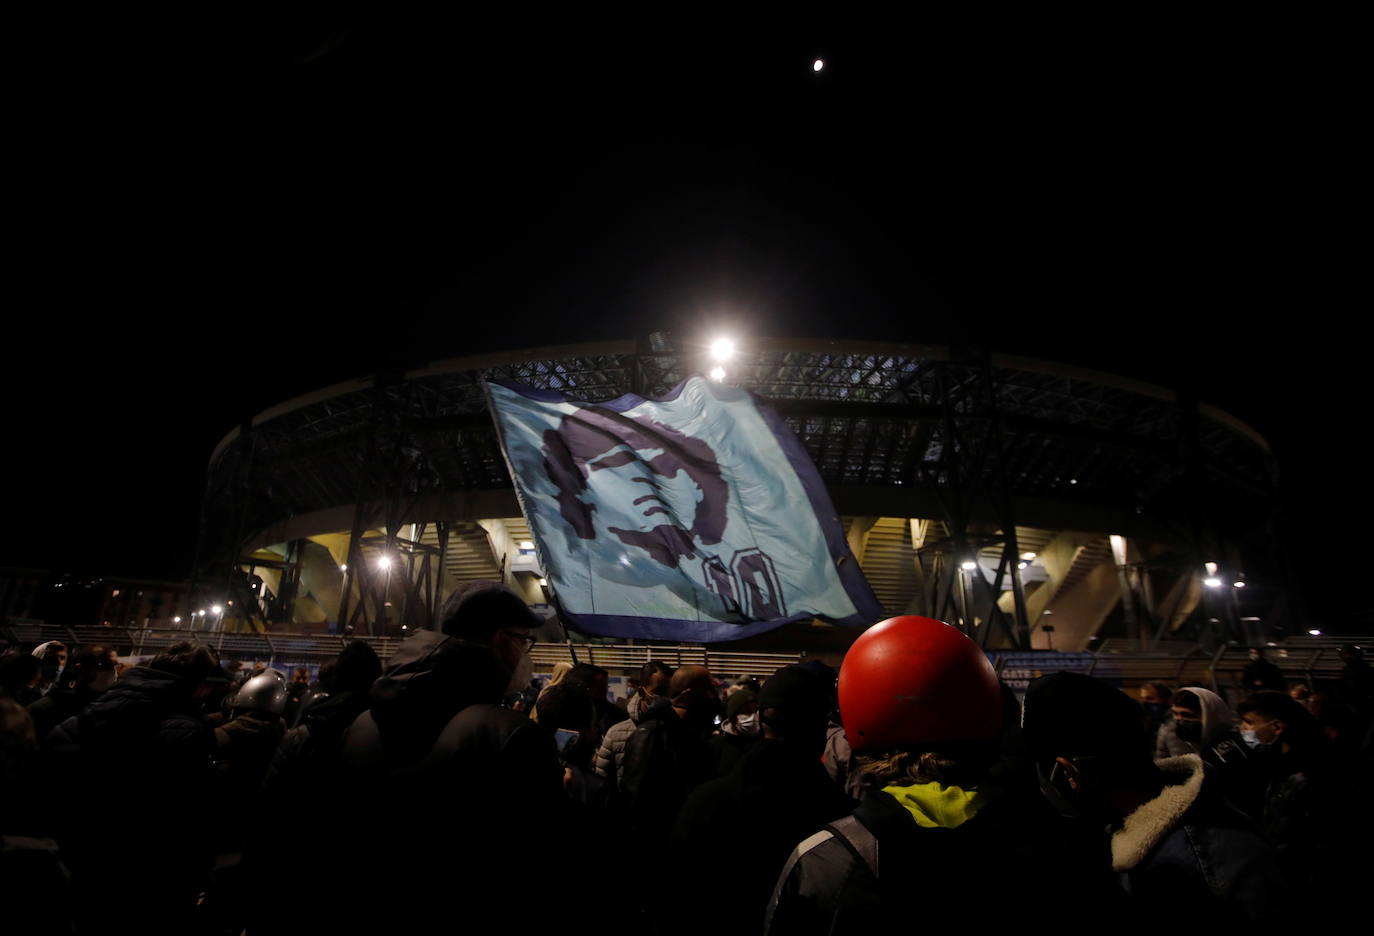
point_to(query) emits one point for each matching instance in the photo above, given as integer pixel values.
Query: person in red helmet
(923, 710)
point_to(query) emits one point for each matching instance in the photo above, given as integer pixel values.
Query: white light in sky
(718, 373)
(1212, 582)
(817, 65)
(217, 609)
(722, 349)
(969, 566)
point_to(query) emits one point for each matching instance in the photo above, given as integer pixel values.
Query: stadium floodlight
(718, 374)
(1028, 556)
(201, 612)
(722, 349)
(969, 565)
(177, 619)
(343, 567)
(1314, 632)
(217, 609)
(818, 65)
(1237, 584)
(383, 561)
(1212, 581)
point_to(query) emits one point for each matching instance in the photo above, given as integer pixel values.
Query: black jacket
(665, 760)
(1189, 855)
(143, 745)
(926, 876)
(458, 789)
(774, 798)
(57, 706)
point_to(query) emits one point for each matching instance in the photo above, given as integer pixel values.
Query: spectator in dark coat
(669, 756)
(777, 794)
(1260, 675)
(32, 874)
(1312, 811)
(473, 783)
(144, 746)
(739, 730)
(654, 678)
(92, 672)
(1181, 851)
(302, 790)
(19, 676)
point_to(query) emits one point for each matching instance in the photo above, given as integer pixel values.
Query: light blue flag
(696, 517)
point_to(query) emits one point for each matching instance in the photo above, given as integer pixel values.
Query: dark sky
(208, 217)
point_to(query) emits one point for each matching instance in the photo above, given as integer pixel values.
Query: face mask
(748, 724)
(1249, 737)
(1188, 731)
(1062, 804)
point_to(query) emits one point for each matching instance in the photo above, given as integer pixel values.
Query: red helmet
(914, 680)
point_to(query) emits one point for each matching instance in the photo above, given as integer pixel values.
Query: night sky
(207, 218)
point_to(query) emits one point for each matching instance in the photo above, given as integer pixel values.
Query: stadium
(1037, 505)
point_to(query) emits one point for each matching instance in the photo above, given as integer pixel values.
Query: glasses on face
(526, 639)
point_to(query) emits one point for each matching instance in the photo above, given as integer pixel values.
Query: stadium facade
(1035, 504)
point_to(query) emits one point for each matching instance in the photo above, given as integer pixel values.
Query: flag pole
(567, 638)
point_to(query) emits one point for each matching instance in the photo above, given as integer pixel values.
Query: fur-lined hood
(1151, 823)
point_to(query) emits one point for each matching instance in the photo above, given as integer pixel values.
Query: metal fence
(1311, 659)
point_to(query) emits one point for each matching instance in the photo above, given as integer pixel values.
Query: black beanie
(798, 695)
(1073, 715)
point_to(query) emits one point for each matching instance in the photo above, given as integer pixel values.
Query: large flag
(695, 517)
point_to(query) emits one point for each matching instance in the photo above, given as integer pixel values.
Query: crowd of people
(448, 789)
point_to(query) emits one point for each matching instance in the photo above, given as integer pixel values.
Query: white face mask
(748, 724)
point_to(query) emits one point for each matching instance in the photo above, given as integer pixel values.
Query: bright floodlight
(526, 544)
(343, 567)
(718, 373)
(1237, 584)
(722, 349)
(969, 566)
(384, 562)
(1028, 556)
(1211, 567)
(1212, 582)
(817, 65)
(217, 609)
(201, 612)
(1314, 632)
(177, 619)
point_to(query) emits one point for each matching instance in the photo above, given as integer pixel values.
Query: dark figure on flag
(644, 463)
(673, 485)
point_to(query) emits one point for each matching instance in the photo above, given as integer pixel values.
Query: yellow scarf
(936, 806)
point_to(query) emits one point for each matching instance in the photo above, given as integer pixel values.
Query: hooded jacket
(1187, 854)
